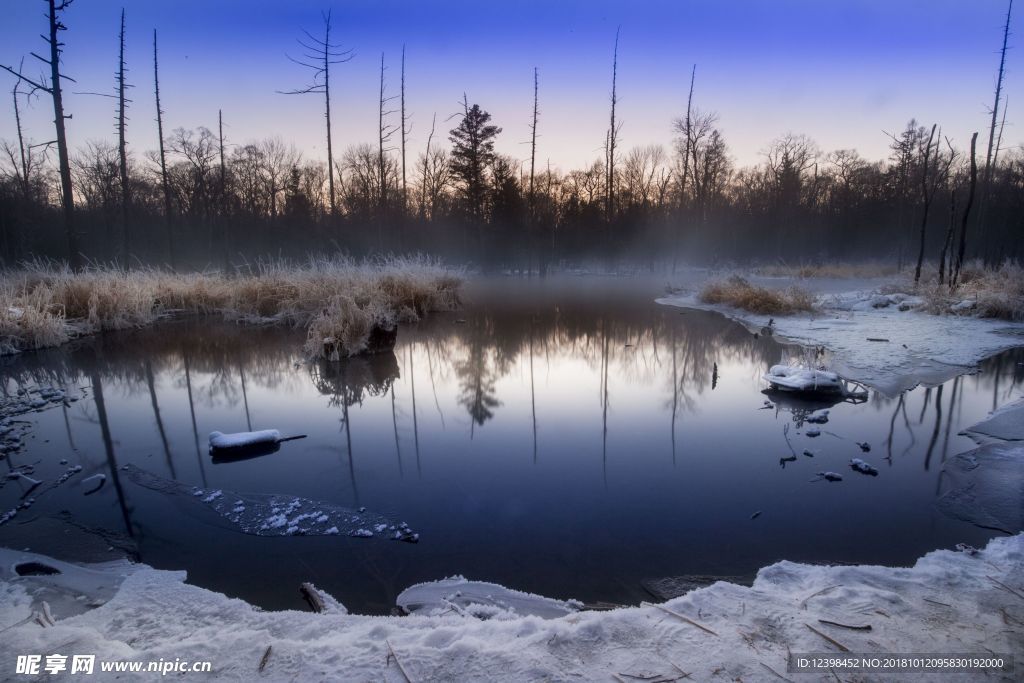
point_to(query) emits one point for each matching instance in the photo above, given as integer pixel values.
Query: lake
(566, 436)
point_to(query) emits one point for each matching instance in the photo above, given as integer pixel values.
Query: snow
(220, 441)
(456, 593)
(858, 465)
(920, 347)
(1006, 424)
(947, 602)
(789, 378)
(265, 514)
(818, 416)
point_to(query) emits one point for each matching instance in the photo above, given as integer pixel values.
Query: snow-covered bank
(879, 340)
(948, 602)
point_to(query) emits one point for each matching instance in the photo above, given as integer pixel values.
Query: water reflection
(571, 440)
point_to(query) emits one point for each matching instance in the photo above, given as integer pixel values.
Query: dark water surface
(567, 438)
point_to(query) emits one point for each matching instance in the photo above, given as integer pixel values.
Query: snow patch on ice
(916, 347)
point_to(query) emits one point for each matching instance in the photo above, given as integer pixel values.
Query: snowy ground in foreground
(948, 602)
(921, 348)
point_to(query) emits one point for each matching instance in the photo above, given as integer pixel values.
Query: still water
(569, 437)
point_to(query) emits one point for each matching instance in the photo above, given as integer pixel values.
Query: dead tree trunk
(531, 214)
(384, 133)
(164, 184)
(54, 90)
(23, 177)
(947, 243)
(122, 153)
(405, 133)
(222, 194)
(613, 136)
(991, 153)
(687, 128)
(967, 212)
(318, 57)
(533, 145)
(926, 200)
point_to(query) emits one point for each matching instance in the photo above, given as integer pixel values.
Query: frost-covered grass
(43, 305)
(981, 291)
(739, 293)
(829, 270)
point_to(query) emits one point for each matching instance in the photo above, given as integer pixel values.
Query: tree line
(198, 199)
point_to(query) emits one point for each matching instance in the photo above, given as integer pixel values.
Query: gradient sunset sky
(841, 72)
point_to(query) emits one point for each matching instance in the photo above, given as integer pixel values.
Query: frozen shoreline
(948, 602)
(917, 347)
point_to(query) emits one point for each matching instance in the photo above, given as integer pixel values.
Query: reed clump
(739, 293)
(46, 304)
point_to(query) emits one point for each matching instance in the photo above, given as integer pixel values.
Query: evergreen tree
(472, 155)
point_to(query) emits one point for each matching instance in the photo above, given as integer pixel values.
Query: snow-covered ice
(947, 602)
(917, 347)
(986, 487)
(265, 514)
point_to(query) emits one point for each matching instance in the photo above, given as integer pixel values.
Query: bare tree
(319, 55)
(55, 91)
(122, 151)
(384, 133)
(967, 212)
(998, 96)
(993, 149)
(613, 136)
(925, 199)
(929, 185)
(164, 184)
(533, 146)
(435, 176)
(405, 133)
(687, 131)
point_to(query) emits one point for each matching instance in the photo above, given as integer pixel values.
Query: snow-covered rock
(221, 441)
(457, 593)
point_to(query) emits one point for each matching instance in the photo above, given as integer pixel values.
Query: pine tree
(472, 154)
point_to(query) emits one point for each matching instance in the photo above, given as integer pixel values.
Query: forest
(195, 199)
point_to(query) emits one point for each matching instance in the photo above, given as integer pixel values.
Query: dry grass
(995, 292)
(739, 293)
(981, 291)
(43, 305)
(868, 269)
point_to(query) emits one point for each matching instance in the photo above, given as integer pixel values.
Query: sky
(842, 72)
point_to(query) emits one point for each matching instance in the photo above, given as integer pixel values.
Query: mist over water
(564, 436)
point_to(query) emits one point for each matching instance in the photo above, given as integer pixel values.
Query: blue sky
(841, 72)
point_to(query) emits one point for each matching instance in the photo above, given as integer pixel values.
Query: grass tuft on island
(739, 293)
(338, 300)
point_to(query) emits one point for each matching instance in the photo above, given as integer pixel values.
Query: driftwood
(831, 640)
(312, 596)
(852, 628)
(688, 620)
(265, 658)
(398, 661)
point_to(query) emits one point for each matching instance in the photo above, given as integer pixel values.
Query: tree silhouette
(55, 91)
(472, 155)
(318, 57)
